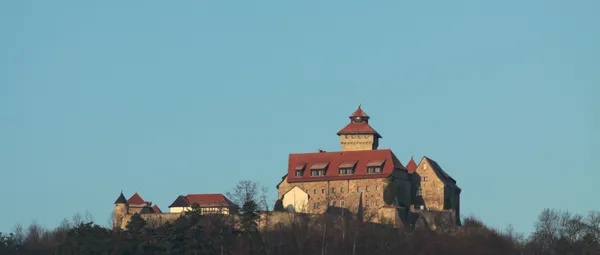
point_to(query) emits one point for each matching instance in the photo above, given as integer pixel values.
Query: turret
(358, 134)
(121, 209)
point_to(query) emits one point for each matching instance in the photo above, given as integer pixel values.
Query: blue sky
(191, 96)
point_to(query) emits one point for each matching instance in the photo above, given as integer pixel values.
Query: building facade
(124, 209)
(366, 181)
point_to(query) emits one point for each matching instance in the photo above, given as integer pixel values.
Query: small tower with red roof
(358, 134)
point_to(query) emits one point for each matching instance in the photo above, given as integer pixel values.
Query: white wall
(179, 209)
(295, 199)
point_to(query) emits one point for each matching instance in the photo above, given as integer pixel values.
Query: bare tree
(247, 190)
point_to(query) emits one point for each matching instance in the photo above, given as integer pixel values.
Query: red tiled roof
(336, 158)
(411, 166)
(136, 199)
(208, 200)
(156, 209)
(359, 113)
(358, 128)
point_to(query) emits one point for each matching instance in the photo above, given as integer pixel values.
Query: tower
(121, 209)
(358, 134)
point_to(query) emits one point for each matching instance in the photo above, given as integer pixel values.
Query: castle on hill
(367, 182)
(361, 181)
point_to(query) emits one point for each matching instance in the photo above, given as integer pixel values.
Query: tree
(136, 224)
(249, 216)
(278, 206)
(246, 190)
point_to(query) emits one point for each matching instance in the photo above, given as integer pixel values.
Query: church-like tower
(358, 134)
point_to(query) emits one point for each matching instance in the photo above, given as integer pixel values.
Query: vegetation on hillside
(555, 232)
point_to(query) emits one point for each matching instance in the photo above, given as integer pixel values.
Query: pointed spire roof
(136, 199)
(411, 166)
(156, 209)
(359, 124)
(121, 199)
(359, 113)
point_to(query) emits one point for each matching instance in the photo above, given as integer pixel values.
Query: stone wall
(432, 187)
(152, 219)
(360, 197)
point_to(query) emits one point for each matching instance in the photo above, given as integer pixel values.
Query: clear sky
(174, 97)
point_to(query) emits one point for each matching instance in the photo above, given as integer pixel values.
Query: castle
(360, 181)
(367, 182)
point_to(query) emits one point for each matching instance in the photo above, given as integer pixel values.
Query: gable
(297, 192)
(428, 164)
(180, 202)
(136, 199)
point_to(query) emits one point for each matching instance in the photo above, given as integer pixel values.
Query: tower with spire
(121, 209)
(358, 135)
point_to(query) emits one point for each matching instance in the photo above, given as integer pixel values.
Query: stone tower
(121, 210)
(358, 134)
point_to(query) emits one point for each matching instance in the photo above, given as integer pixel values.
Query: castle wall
(432, 187)
(361, 196)
(152, 219)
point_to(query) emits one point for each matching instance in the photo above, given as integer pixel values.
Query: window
(374, 169)
(333, 203)
(342, 189)
(318, 169)
(423, 178)
(299, 172)
(332, 190)
(367, 188)
(315, 191)
(346, 171)
(357, 188)
(377, 202)
(367, 202)
(320, 172)
(316, 205)
(377, 187)
(342, 204)
(419, 191)
(322, 191)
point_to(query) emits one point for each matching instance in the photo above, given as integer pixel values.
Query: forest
(555, 232)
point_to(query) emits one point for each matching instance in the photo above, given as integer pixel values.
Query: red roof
(208, 200)
(358, 128)
(411, 166)
(156, 209)
(359, 113)
(136, 199)
(336, 159)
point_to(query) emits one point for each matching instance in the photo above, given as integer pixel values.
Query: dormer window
(374, 169)
(300, 169)
(320, 172)
(346, 171)
(318, 169)
(375, 166)
(347, 167)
